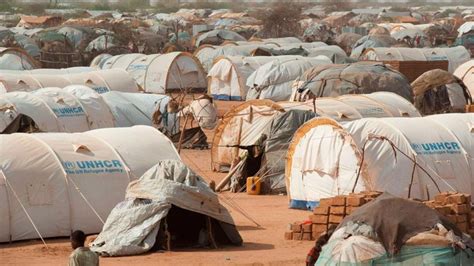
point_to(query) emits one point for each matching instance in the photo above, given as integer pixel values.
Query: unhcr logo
(101, 89)
(93, 166)
(437, 147)
(68, 111)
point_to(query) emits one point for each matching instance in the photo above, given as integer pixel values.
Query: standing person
(81, 256)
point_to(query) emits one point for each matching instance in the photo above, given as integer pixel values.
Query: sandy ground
(263, 245)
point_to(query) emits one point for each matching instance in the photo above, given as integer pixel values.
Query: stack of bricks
(456, 207)
(331, 211)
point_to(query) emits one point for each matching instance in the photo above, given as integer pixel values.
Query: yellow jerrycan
(253, 185)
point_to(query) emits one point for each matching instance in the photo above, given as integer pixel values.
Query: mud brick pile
(456, 207)
(331, 211)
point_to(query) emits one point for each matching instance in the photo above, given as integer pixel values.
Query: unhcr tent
(438, 91)
(273, 80)
(355, 78)
(101, 81)
(206, 54)
(54, 183)
(465, 72)
(79, 108)
(455, 56)
(163, 202)
(161, 73)
(245, 123)
(16, 59)
(407, 157)
(228, 75)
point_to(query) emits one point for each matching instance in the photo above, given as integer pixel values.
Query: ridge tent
(161, 202)
(324, 157)
(206, 54)
(161, 73)
(273, 80)
(227, 77)
(438, 91)
(79, 108)
(455, 56)
(466, 73)
(355, 78)
(72, 173)
(16, 59)
(244, 123)
(99, 80)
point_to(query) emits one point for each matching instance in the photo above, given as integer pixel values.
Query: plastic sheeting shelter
(161, 73)
(456, 56)
(273, 80)
(72, 175)
(371, 41)
(324, 157)
(16, 59)
(466, 73)
(355, 78)
(245, 123)
(228, 76)
(77, 109)
(101, 81)
(168, 195)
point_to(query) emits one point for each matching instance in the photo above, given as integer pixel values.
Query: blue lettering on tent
(441, 147)
(93, 166)
(101, 89)
(68, 111)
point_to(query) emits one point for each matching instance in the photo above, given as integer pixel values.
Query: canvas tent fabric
(281, 129)
(244, 124)
(227, 77)
(273, 80)
(206, 54)
(216, 37)
(324, 158)
(161, 73)
(79, 108)
(355, 78)
(148, 201)
(101, 81)
(73, 172)
(455, 56)
(16, 59)
(465, 72)
(438, 91)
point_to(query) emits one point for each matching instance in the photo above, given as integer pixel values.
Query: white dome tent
(161, 73)
(228, 76)
(324, 157)
(274, 79)
(72, 173)
(78, 108)
(16, 59)
(100, 80)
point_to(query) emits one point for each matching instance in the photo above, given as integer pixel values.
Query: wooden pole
(182, 134)
(226, 179)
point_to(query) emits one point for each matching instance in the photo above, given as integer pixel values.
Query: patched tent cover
(133, 225)
(356, 78)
